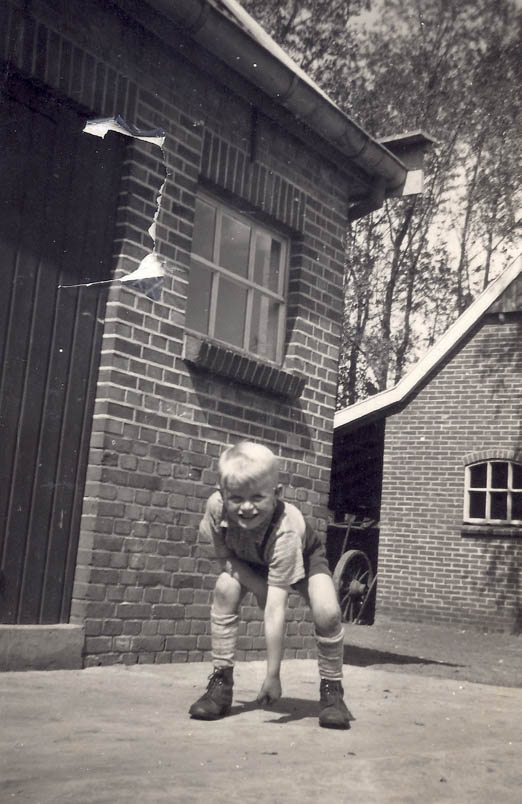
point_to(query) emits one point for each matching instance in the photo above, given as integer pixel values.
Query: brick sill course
(493, 531)
(217, 359)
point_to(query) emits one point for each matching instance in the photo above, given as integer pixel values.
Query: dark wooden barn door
(58, 190)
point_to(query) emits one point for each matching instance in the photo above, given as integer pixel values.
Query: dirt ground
(439, 651)
(423, 729)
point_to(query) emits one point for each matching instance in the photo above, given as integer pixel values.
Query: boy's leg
(328, 628)
(215, 703)
(224, 627)
(329, 635)
(229, 591)
(224, 620)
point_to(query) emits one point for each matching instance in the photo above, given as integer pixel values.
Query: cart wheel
(353, 578)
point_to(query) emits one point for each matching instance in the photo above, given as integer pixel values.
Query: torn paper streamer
(101, 125)
(150, 266)
(99, 128)
(148, 277)
(159, 197)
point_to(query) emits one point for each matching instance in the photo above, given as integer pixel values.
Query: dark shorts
(315, 563)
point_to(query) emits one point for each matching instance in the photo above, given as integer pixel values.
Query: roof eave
(385, 400)
(229, 33)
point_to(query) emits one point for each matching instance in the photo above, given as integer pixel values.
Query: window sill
(218, 359)
(491, 531)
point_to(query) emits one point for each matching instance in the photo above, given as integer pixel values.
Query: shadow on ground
(364, 657)
(288, 709)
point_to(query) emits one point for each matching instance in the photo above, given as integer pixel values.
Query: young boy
(264, 546)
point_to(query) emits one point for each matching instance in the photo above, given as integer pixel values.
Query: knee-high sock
(330, 655)
(224, 629)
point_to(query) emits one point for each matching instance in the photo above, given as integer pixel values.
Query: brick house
(235, 175)
(438, 459)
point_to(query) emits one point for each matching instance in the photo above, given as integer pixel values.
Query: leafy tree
(460, 63)
(452, 69)
(317, 34)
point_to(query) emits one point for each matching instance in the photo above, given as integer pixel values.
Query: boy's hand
(270, 692)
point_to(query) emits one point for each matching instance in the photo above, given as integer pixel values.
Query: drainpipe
(224, 29)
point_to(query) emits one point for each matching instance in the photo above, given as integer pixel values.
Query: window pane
(235, 242)
(499, 475)
(478, 475)
(264, 327)
(267, 262)
(477, 504)
(230, 312)
(516, 506)
(275, 265)
(198, 305)
(498, 505)
(517, 476)
(203, 236)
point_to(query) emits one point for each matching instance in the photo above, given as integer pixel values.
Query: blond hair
(245, 462)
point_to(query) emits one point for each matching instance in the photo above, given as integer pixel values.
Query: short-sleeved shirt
(281, 547)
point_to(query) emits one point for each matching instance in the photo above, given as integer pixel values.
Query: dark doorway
(58, 196)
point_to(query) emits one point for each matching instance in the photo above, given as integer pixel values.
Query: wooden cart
(354, 574)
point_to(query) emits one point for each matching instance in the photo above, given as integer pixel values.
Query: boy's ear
(278, 491)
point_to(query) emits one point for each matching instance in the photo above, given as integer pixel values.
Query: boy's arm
(274, 634)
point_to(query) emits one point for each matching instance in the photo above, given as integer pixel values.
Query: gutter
(228, 32)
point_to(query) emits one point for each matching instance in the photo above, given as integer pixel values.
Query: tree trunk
(381, 373)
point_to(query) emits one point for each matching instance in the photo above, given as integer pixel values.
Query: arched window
(494, 492)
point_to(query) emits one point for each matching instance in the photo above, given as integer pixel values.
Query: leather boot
(217, 700)
(333, 713)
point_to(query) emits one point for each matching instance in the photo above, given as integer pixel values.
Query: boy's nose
(247, 507)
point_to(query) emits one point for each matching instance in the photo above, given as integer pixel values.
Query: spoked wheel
(353, 578)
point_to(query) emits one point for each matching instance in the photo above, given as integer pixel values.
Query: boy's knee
(328, 623)
(227, 594)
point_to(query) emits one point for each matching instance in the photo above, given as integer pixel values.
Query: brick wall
(428, 569)
(143, 581)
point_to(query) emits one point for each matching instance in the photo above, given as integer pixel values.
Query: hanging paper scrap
(101, 125)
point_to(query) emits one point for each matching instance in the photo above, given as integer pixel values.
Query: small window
(494, 492)
(237, 281)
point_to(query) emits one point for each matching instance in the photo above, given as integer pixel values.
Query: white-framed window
(493, 492)
(238, 277)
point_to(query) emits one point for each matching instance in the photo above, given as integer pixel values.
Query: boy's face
(251, 504)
